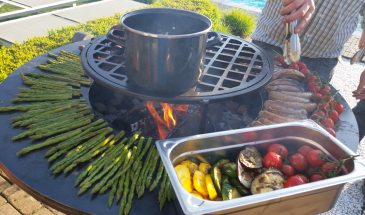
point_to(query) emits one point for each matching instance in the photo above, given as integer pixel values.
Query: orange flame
(168, 120)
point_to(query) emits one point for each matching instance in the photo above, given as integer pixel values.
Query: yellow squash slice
(204, 167)
(195, 193)
(199, 183)
(191, 165)
(184, 176)
(210, 187)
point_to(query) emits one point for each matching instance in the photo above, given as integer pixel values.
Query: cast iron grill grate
(232, 68)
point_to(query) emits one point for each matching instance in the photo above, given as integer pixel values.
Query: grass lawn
(8, 8)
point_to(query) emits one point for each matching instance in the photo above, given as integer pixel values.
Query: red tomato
(304, 150)
(329, 99)
(311, 84)
(294, 181)
(302, 66)
(327, 122)
(313, 157)
(275, 58)
(326, 87)
(294, 66)
(318, 113)
(312, 78)
(287, 170)
(272, 160)
(277, 148)
(305, 71)
(315, 89)
(280, 58)
(298, 162)
(250, 136)
(339, 108)
(303, 177)
(316, 97)
(310, 169)
(331, 131)
(316, 177)
(324, 106)
(333, 115)
(324, 92)
(326, 169)
(284, 64)
(265, 136)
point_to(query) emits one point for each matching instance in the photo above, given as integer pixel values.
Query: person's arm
(359, 93)
(304, 11)
(362, 14)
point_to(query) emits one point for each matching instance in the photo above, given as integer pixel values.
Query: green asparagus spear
(40, 111)
(47, 116)
(112, 193)
(155, 155)
(48, 142)
(152, 169)
(142, 154)
(112, 172)
(169, 194)
(125, 193)
(162, 189)
(150, 153)
(158, 177)
(84, 173)
(164, 195)
(88, 184)
(120, 188)
(36, 105)
(139, 148)
(131, 192)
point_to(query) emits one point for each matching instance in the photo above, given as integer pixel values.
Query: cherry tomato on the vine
(287, 170)
(333, 115)
(305, 71)
(318, 113)
(298, 162)
(326, 167)
(304, 150)
(313, 157)
(324, 92)
(327, 122)
(294, 66)
(284, 64)
(305, 179)
(315, 89)
(316, 177)
(280, 58)
(272, 159)
(294, 181)
(329, 99)
(331, 131)
(326, 87)
(311, 84)
(275, 58)
(278, 149)
(310, 170)
(312, 78)
(317, 97)
(302, 66)
(324, 106)
(339, 108)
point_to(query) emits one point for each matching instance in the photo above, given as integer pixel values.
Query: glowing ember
(168, 121)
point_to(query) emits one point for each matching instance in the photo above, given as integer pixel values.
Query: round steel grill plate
(234, 67)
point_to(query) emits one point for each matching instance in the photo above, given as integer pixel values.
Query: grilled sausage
(289, 82)
(284, 88)
(283, 114)
(308, 106)
(256, 123)
(275, 95)
(266, 121)
(289, 73)
(275, 118)
(276, 105)
(299, 94)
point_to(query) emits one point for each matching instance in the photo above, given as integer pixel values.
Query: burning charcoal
(231, 106)
(136, 102)
(118, 95)
(99, 106)
(111, 109)
(243, 108)
(114, 101)
(233, 120)
(246, 118)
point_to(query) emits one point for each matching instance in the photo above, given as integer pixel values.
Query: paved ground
(351, 47)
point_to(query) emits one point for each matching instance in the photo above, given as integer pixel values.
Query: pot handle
(215, 41)
(110, 35)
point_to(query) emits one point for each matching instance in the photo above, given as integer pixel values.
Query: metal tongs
(291, 44)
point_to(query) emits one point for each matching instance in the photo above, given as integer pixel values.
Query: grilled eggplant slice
(268, 180)
(230, 169)
(250, 157)
(229, 192)
(241, 189)
(246, 175)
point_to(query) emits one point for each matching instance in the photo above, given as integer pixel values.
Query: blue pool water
(261, 4)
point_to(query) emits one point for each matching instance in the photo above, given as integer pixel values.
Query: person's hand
(362, 39)
(304, 11)
(359, 93)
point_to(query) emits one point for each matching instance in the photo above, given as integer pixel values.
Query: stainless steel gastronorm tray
(311, 198)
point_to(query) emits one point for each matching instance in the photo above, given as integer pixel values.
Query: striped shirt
(330, 27)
